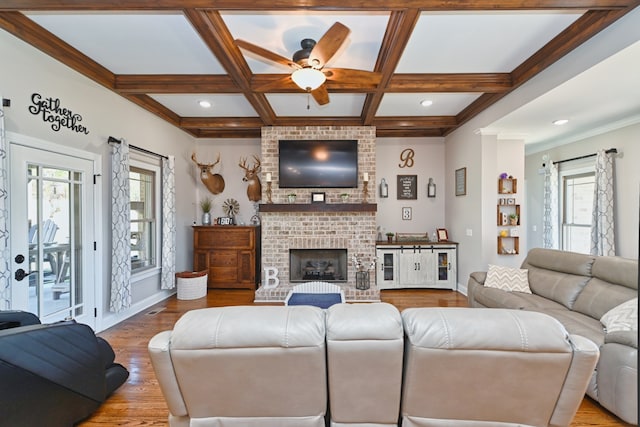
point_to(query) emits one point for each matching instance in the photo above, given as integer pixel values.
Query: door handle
(21, 274)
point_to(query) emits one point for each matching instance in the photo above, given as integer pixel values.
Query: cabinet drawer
(224, 237)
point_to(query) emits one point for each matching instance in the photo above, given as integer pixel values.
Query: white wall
(627, 184)
(25, 71)
(428, 162)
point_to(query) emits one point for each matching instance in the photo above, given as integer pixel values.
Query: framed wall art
(461, 181)
(407, 187)
(317, 198)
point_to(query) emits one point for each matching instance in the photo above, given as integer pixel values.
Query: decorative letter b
(269, 274)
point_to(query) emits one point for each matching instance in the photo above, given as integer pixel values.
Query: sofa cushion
(560, 261)
(599, 296)
(621, 271)
(507, 279)
(623, 317)
(577, 324)
(562, 288)
(497, 298)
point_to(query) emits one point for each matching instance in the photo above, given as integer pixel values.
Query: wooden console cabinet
(419, 265)
(230, 254)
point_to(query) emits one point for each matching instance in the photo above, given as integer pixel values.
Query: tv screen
(318, 163)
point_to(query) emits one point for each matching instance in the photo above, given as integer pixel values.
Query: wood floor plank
(139, 401)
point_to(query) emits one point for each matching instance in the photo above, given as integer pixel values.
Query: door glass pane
(53, 204)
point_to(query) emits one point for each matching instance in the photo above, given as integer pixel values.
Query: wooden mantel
(318, 207)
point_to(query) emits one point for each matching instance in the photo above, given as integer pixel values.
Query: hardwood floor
(139, 401)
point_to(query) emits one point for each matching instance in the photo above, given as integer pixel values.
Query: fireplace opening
(327, 265)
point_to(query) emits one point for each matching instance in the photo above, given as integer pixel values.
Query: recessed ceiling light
(426, 102)
(204, 104)
(560, 122)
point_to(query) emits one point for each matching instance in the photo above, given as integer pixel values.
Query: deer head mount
(213, 181)
(254, 189)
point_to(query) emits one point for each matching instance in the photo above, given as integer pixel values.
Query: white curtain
(121, 226)
(603, 222)
(550, 215)
(168, 223)
(5, 265)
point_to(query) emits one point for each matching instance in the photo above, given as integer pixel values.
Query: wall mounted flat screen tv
(318, 163)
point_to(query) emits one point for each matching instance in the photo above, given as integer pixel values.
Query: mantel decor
(318, 207)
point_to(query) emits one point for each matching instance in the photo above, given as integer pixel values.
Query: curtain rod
(609, 151)
(144, 150)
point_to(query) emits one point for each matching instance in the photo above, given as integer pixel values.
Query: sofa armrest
(585, 358)
(16, 318)
(163, 368)
(478, 276)
(628, 338)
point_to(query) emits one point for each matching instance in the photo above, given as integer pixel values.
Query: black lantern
(362, 280)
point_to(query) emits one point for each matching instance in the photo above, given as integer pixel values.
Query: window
(577, 205)
(144, 190)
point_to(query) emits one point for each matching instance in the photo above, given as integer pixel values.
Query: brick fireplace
(303, 225)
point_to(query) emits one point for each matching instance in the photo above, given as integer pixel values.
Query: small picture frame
(443, 236)
(317, 197)
(511, 201)
(461, 181)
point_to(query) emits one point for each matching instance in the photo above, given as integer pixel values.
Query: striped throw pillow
(623, 317)
(508, 279)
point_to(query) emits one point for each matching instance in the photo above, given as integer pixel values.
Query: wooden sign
(407, 187)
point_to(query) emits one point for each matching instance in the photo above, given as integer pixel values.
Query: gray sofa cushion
(617, 270)
(497, 298)
(560, 287)
(560, 261)
(599, 296)
(576, 323)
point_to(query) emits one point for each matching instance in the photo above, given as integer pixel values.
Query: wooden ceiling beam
(430, 122)
(28, 31)
(471, 82)
(395, 41)
(220, 123)
(257, 5)
(585, 27)
(172, 83)
(154, 107)
(216, 35)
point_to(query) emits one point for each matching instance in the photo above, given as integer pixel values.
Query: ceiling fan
(308, 64)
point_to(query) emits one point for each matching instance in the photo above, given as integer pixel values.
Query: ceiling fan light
(308, 78)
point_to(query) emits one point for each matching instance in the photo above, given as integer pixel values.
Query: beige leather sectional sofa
(367, 365)
(577, 290)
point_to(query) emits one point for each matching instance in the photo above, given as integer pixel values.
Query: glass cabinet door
(387, 269)
(444, 266)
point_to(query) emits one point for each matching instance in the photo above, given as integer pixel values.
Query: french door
(52, 252)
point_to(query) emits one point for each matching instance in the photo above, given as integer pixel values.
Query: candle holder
(269, 192)
(365, 192)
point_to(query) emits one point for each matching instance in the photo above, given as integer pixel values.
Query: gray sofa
(367, 365)
(578, 290)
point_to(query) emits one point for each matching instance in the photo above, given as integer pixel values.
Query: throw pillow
(623, 317)
(507, 279)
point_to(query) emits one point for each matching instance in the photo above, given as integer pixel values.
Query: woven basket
(191, 284)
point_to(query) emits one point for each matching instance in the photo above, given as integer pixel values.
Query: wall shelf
(318, 207)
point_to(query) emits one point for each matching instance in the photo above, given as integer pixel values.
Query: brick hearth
(282, 230)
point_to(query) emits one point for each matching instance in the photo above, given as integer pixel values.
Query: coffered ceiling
(168, 55)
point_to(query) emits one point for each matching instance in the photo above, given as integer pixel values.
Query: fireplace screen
(328, 265)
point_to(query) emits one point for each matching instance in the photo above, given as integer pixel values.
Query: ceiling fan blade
(267, 54)
(351, 76)
(284, 83)
(321, 95)
(328, 45)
